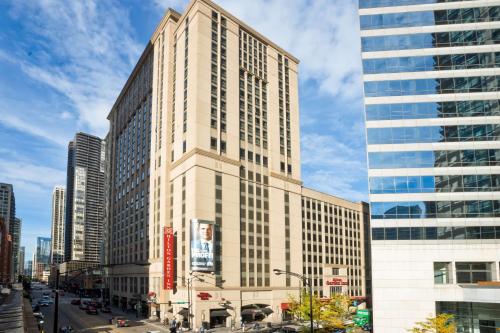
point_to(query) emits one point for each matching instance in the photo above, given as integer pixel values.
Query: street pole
(310, 303)
(56, 304)
(189, 301)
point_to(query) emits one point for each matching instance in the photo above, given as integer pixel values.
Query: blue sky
(63, 63)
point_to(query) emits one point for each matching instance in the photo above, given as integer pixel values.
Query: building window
(442, 273)
(473, 272)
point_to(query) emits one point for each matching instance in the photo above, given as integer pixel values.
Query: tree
(442, 323)
(329, 312)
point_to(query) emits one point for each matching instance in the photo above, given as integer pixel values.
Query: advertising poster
(202, 245)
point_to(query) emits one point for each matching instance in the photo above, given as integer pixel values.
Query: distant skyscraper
(16, 242)
(84, 198)
(29, 268)
(7, 204)
(431, 84)
(43, 246)
(8, 214)
(58, 211)
(22, 253)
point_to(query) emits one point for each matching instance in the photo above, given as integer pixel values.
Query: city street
(82, 322)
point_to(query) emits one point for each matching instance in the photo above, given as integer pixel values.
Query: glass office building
(431, 82)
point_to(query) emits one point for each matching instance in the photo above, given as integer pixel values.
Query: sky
(63, 64)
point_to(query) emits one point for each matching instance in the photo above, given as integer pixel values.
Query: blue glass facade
(430, 40)
(434, 159)
(431, 86)
(433, 110)
(431, 184)
(422, 134)
(425, 18)
(389, 3)
(431, 63)
(435, 209)
(436, 233)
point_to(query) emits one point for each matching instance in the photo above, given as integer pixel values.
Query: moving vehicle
(120, 321)
(38, 315)
(65, 329)
(91, 310)
(75, 302)
(83, 307)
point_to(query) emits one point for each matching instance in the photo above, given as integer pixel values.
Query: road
(82, 322)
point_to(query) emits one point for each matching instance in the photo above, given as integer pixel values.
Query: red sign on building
(204, 296)
(336, 282)
(168, 258)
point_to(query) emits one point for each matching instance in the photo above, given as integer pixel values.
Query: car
(46, 293)
(65, 329)
(75, 302)
(38, 315)
(91, 310)
(35, 307)
(119, 321)
(106, 310)
(43, 303)
(83, 307)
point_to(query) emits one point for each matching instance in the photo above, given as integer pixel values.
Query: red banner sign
(168, 258)
(336, 282)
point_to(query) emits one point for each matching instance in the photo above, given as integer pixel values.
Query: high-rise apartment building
(5, 253)
(21, 266)
(58, 211)
(84, 198)
(15, 229)
(431, 87)
(43, 247)
(29, 268)
(8, 213)
(204, 182)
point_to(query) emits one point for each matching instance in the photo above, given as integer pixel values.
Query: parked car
(75, 302)
(106, 310)
(91, 310)
(38, 315)
(65, 329)
(119, 321)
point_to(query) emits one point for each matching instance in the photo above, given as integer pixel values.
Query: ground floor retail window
(473, 317)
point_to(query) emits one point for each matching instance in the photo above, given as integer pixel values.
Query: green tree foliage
(329, 313)
(442, 323)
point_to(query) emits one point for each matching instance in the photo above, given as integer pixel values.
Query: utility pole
(56, 304)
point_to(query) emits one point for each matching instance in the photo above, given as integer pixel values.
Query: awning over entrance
(184, 312)
(267, 311)
(219, 313)
(250, 311)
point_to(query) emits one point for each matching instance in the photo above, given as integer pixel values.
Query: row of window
(437, 17)
(435, 209)
(434, 233)
(431, 184)
(432, 86)
(438, 158)
(433, 110)
(430, 40)
(465, 272)
(422, 134)
(431, 63)
(391, 3)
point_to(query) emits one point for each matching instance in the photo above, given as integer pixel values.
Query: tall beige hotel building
(206, 132)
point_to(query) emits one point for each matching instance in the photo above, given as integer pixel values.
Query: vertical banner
(168, 258)
(202, 245)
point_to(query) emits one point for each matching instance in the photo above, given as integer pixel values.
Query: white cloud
(91, 52)
(30, 179)
(333, 167)
(24, 125)
(323, 34)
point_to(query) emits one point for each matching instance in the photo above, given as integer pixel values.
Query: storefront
(473, 317)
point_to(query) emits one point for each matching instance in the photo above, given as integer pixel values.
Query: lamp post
(305, 281)
(190, 294)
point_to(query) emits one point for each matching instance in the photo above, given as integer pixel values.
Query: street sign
(180, 302)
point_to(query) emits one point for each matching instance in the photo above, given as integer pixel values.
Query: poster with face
(202, 245)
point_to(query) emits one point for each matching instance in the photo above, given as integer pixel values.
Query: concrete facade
(58, 211)
(207, 128)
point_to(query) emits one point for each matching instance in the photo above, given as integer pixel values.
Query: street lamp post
(305, 281)
(190, 295)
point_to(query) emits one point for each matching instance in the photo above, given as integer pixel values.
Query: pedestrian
(173, 326)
